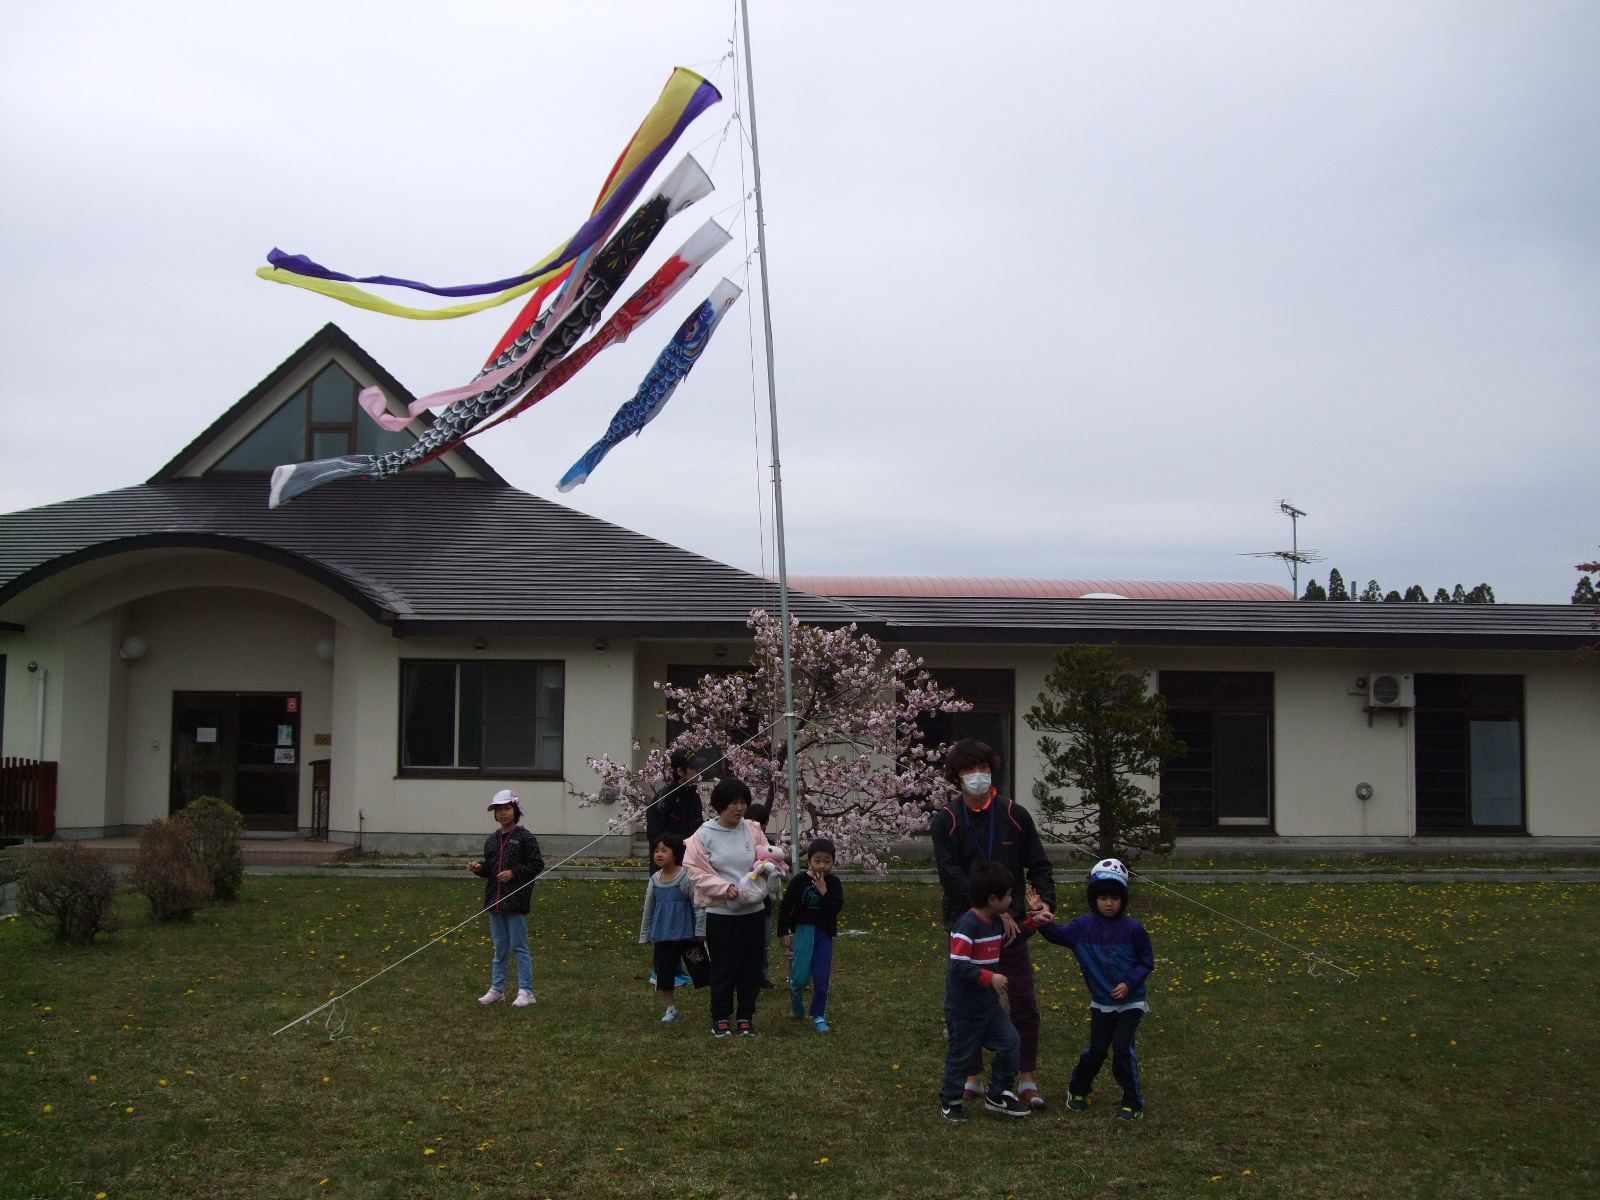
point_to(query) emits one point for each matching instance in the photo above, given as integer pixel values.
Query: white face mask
(976, 784)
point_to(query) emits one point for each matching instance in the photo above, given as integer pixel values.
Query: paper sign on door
(206, 733)
(285, 735)
(283, 756)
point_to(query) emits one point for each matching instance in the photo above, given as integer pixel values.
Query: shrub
(70, 889)
(216, 827)
(168, 872)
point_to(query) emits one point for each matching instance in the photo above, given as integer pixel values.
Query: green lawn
(1460, 1064)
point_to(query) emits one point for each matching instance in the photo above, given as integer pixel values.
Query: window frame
(402, 771)
(1469, 712)
(1002, 702)
(1219, 705)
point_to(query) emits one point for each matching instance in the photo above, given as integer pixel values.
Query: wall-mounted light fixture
(1364, 791)
(324, 649)
(480, 645)
(720, 651)
(601, 645)
(132, 647)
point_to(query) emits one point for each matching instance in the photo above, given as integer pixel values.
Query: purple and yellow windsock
(685, 97)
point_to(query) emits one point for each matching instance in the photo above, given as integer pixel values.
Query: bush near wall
(70, 889)
(168, 872)
(217, 828)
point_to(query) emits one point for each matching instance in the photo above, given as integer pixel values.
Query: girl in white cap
(511, 862)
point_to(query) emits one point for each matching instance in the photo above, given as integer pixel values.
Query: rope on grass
(1312, 960)
(333, 1001)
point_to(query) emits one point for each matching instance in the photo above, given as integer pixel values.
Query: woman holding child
(721, 853)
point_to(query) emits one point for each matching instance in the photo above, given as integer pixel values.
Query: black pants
(971, 1033)
(670, 957)
(1113, 1031)
(735, 946)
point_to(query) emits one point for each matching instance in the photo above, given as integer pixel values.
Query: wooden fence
(27, 798)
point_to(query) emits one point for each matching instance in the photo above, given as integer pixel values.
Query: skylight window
(321, 420)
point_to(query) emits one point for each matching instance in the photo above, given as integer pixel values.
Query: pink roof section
(1032, 589)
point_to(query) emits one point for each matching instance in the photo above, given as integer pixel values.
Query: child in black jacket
(808, 921)
(511, 862)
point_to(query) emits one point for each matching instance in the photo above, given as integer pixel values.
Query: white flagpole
(777, 470)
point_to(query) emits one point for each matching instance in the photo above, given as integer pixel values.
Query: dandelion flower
(49, 1108)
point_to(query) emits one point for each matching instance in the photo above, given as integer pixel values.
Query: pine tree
(1585, 593)
(1459, 596)
(1482, 594)
(1336, 586)
(1314, 591)
(1415, 594)
(1441, 597)
(1372, 592)
(1391, 597)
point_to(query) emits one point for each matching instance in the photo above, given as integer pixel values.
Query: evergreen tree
(1441, 597)
(1459, 596)
(1372, 592)
(1482, 594)
(1391, 597)
(1336, 586)
(1415, 594)
(1112, 731)
(1585, 593)
(1314, 591)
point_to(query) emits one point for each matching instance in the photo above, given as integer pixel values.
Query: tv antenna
(1293, 557)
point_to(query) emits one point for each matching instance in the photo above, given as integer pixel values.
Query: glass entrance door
(243, 748)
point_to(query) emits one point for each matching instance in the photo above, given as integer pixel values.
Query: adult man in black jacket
(984, 825)
(676, 808)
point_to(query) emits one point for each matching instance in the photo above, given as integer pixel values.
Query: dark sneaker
(952, 1112)
(767, 983)
(1078, 1103)
(721, 1029)
(1130, 1114)
(747, 1029)
(1007, 1105)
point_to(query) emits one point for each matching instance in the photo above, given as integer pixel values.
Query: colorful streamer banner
(671, 368)
(684, 98)
(542, 349)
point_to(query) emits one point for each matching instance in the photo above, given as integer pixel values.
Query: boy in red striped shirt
(972, 992)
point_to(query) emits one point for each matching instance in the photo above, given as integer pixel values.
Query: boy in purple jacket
(1115, 955)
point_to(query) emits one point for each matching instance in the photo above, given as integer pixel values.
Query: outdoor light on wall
(132, 647)
(324, 649)
(1363, 791)
(720, 652)
(601, 645)
(479, 646)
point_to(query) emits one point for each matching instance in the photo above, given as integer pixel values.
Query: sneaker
(672, 1014)
(952, 1112)
(680, 980)
(1007, 1105)
(747, 1029)
(820, 1024)
(1032, 1097)
(721, 1029)
(1130, 1114)
(492, 996)
(524, 999)
(1078, 1103)
(652, 979)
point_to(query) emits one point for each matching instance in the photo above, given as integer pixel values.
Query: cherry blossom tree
(866, 778)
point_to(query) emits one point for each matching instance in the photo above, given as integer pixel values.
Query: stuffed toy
(753, 887)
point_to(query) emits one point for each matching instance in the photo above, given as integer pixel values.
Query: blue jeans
(985, 1027)
(510, 932)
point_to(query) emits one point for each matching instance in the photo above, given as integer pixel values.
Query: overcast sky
(1059, 289)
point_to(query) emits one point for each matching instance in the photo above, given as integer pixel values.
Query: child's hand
(999, 983)
(505, 876)
(1120, 992)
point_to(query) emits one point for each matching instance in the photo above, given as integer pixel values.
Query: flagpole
(777, 469)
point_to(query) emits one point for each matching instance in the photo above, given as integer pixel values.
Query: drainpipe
(44, 679)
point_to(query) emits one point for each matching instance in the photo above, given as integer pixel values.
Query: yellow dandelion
(49, 1108)
(427, 1152)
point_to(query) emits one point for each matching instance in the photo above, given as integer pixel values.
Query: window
(499, 719)
(992, 695)
(321, 420)
(1469, 753)
(1224, 782)
(710, 761)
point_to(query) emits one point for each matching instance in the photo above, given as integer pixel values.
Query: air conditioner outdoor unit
(1387, 690)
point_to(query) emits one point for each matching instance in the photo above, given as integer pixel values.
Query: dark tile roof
(426, 554)
(1230, 623)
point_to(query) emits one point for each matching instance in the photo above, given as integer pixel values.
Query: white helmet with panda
(1110, 868)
